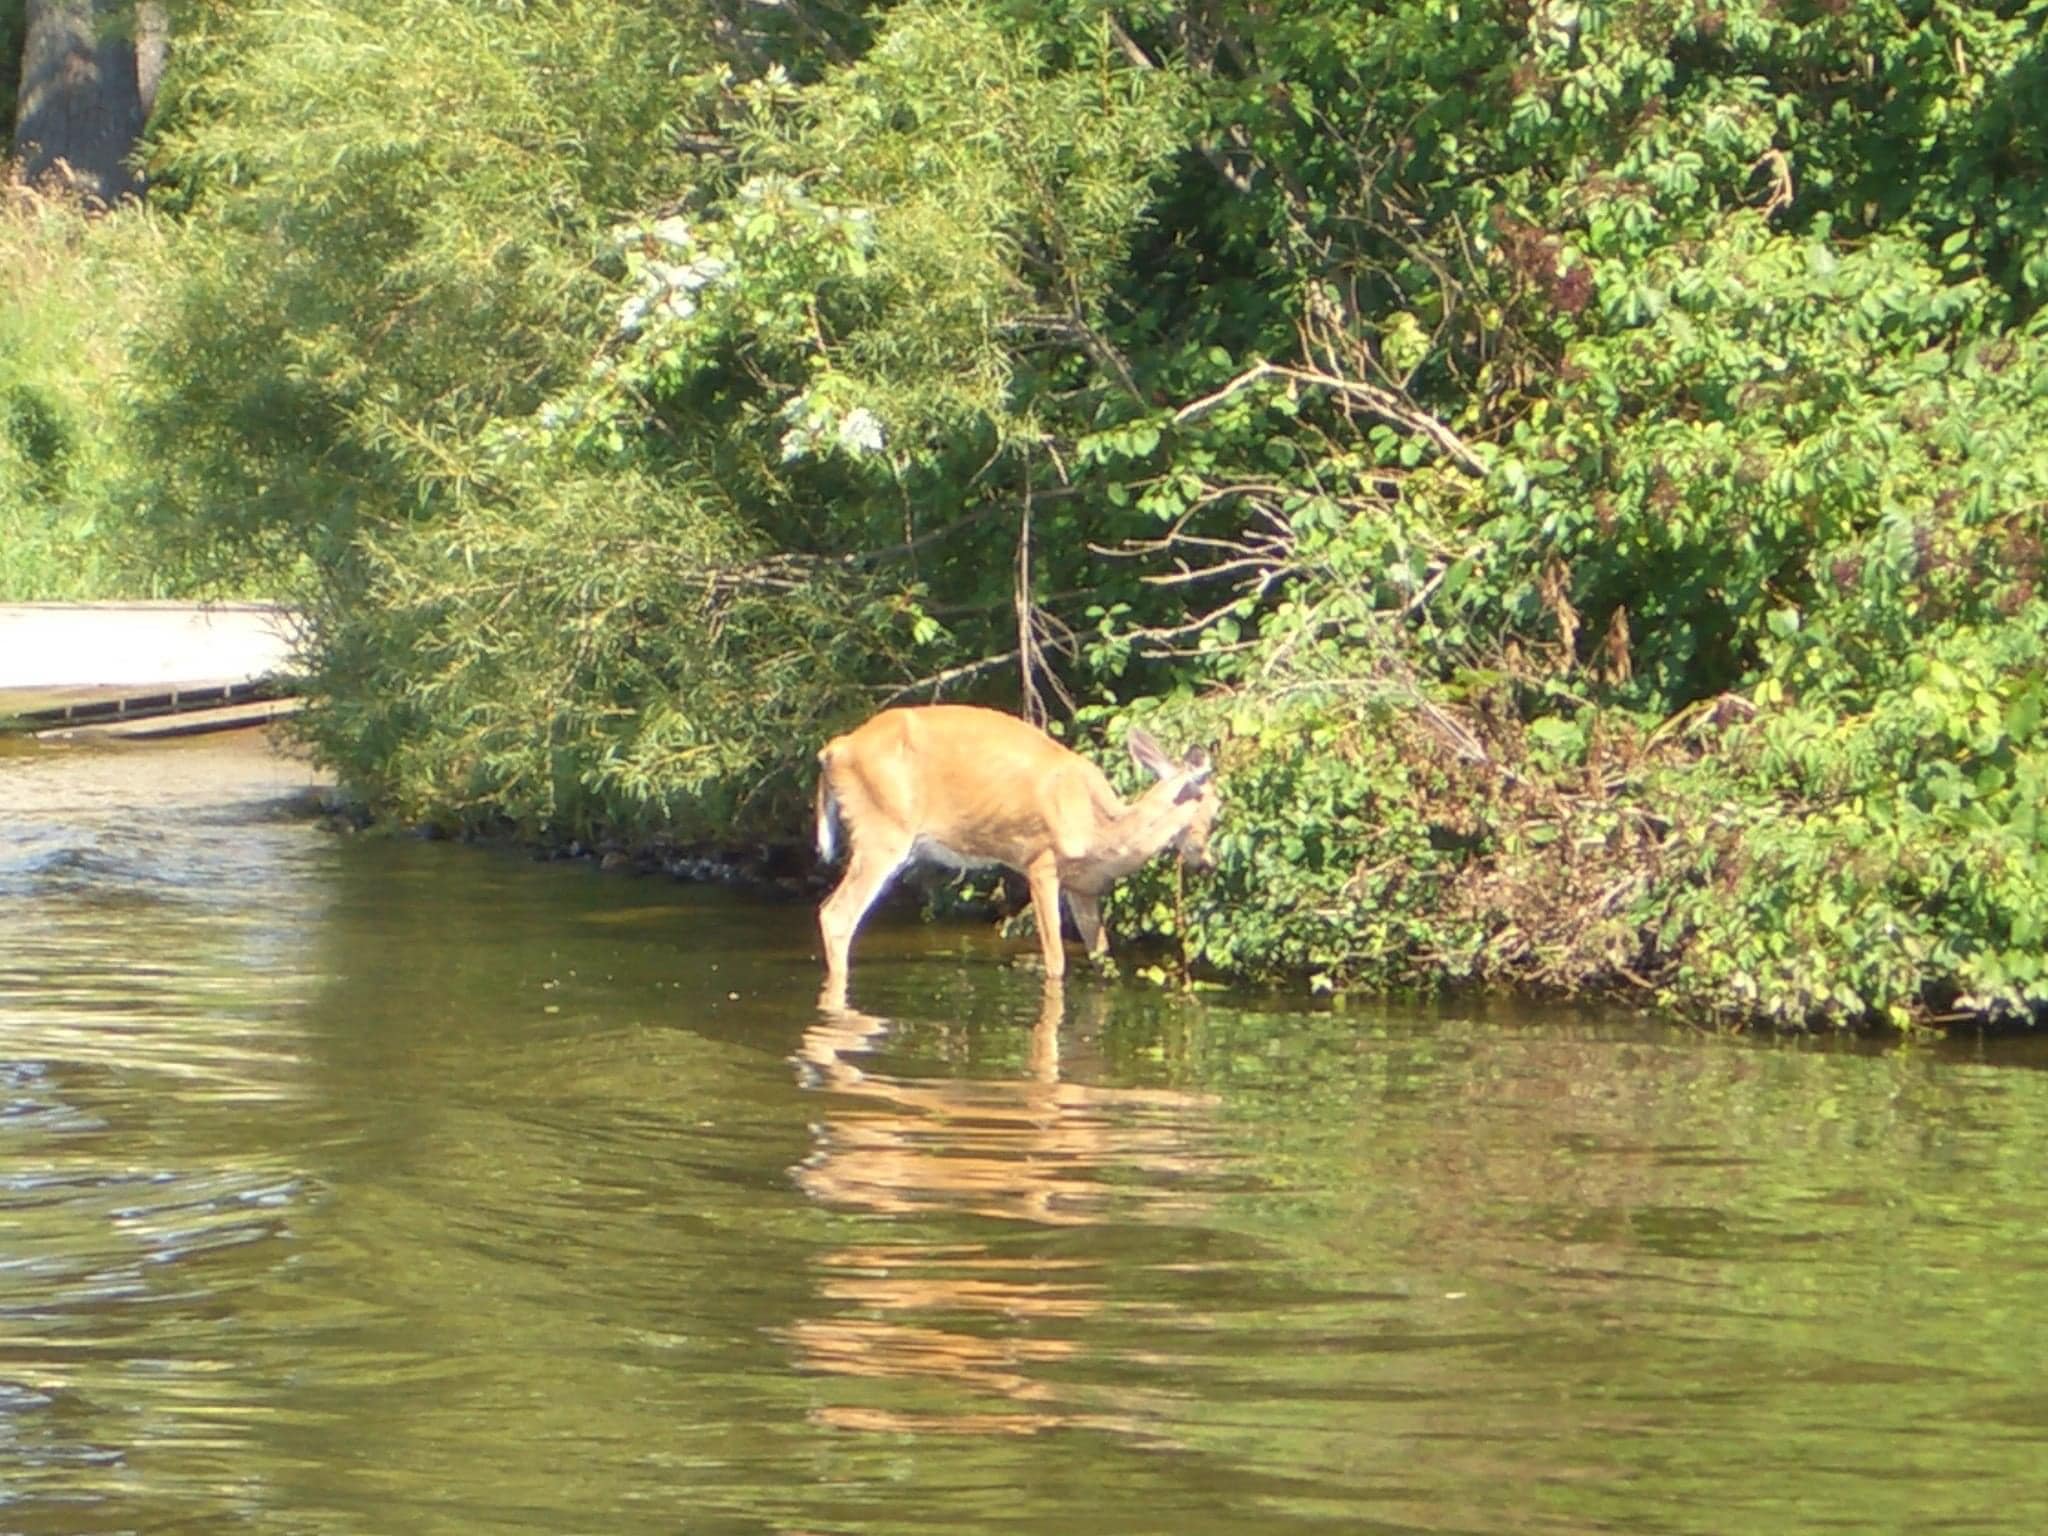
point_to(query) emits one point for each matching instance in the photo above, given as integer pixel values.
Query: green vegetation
(70, 289)
(1582, 465)
(13, 32)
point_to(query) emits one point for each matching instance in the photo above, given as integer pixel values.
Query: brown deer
(968, 787)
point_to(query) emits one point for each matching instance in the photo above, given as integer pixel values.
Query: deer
(967, 787)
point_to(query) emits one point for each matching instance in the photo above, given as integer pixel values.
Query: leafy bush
(1580, 463)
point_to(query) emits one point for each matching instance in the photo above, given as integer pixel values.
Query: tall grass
(69, 287)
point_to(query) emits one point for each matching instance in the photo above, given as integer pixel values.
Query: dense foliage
(1580, 463)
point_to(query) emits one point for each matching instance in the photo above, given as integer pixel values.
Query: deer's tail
(829, 825)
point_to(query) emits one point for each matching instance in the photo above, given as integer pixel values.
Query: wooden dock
(144, 669)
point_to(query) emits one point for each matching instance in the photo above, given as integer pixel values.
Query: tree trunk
(89, 71)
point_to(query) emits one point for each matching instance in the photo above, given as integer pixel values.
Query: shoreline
(786, 871)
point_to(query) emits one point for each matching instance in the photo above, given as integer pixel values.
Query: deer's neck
(1129, 837)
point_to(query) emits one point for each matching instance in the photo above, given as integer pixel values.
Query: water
(365, 1186)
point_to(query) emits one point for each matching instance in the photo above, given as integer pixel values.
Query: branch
(1239, 180)
(1151, 640)
(1267, 567)
(938, 680)
(1428, 588)
(1027, 648)
(1128, 44)
(1382, 402)
(1779, 164)
(1074, 329)
(862, 558)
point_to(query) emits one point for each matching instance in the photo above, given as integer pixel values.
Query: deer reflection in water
(1042, 1151)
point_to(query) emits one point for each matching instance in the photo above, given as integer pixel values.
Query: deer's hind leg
(868, 872)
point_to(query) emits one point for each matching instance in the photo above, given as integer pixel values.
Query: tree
(89, 73)
(1589, 475)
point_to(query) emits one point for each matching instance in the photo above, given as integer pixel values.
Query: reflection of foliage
(1546, 1222)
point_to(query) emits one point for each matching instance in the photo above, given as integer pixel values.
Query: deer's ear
(1197, 765)
(1149, 755)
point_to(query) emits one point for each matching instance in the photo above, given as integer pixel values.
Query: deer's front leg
(1044, 875)
(1087, 912)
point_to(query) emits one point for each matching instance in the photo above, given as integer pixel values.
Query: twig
(1382, 402)
(1128, 44)
(1027, 636)
(938, 680)
(1780, 166)
(1424, 592)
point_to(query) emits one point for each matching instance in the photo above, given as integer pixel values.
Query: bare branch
(1780, 166)
(1382, 402)
(1263, 564)
(1128, 44)
(1074, 328)
(939, 680)
(1428, 588)
(1034, 626)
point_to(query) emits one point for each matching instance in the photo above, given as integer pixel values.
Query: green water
(361, 1186)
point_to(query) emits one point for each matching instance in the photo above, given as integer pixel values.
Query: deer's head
(1191, 782)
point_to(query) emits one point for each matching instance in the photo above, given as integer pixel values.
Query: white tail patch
(828, 824)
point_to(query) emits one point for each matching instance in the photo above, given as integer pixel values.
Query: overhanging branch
(1382, 402)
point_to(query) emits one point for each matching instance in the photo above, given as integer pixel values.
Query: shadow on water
(360, 1185)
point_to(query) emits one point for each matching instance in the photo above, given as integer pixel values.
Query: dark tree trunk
(89, 71)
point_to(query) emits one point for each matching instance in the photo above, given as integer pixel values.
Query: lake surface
(360, 1185)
